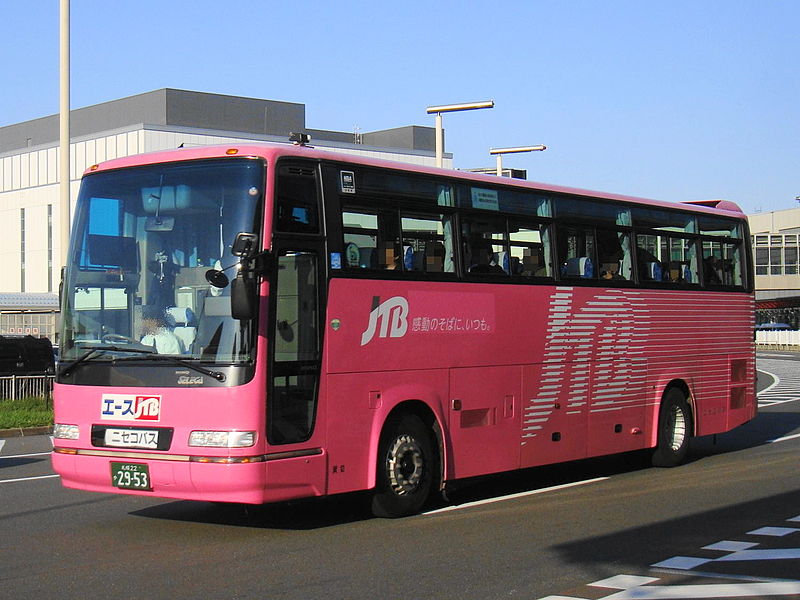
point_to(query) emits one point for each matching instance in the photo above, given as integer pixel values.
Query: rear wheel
(407, 467)
(674, 430)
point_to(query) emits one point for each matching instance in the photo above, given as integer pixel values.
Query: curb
(25, 431)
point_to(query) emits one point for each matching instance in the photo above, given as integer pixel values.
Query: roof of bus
(273, 151)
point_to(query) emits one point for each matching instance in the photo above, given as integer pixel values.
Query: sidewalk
(25, 431)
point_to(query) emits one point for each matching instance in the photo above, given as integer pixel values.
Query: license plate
(131, 438)
(131, 476)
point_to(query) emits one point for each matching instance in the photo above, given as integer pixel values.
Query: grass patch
(26, 412)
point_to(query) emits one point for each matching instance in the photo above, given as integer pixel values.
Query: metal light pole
(500, 151)
(438, 110)
(64, 128)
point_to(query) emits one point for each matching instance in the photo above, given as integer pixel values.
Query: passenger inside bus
(156, 333)
(483, 259)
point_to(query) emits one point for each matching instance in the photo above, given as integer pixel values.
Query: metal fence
(778, 338)
(13, 387)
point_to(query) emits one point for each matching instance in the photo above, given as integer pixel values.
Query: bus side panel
(358, 405)
(554, 420)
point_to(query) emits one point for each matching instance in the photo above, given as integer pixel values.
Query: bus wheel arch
(675, 425)
(408, 463)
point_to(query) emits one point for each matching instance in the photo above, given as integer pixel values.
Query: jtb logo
(393, 317)
(122, 407)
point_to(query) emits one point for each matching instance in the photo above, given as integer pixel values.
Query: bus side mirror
(243, 297)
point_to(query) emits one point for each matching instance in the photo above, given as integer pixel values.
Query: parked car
(26, 355)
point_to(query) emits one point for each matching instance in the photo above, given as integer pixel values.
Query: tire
(407, 467)
(674, 430)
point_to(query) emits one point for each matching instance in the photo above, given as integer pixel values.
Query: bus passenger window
(614, 255)
(722, 264)
(530, 251)
(485, 246)
(648, 250)
(360, 240)
(576, 253)
(427, 243)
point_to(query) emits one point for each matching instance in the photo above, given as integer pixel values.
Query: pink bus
(258, 323)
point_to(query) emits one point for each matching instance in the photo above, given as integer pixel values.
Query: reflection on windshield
(143, 241)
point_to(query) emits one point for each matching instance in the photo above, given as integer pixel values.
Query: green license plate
(131, 476)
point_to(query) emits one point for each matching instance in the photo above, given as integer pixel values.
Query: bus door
(295, 308)
(485, 419)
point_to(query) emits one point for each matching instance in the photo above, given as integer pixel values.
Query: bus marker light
(222, 439)
(232, 151)
(65, 432)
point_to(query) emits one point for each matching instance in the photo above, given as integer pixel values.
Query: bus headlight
(222, 439)
(65, 432)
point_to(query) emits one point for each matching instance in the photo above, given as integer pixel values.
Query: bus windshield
(143, 241)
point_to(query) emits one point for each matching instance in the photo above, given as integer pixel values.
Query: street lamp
(438, 110)
(500, 151)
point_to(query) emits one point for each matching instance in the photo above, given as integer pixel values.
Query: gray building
(158, 120)
(30, 246)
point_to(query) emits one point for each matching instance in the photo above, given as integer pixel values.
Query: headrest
(179, 316)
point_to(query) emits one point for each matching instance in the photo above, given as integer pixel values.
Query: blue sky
(674, 100)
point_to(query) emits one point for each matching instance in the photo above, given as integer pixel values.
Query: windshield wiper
(101, 349)
(218, 375)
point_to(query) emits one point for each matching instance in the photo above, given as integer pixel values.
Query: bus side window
(614, 255)
(371, 240)
(576, 253)
(530, 251)
(485, 246)
(427, 242)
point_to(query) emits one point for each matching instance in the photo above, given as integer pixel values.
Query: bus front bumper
(263, 479)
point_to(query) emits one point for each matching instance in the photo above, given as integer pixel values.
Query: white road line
(2, 443)
(782, 439)
(776, 381)
(28, 478)
(725, 590)
(513, 496)
(26, 455)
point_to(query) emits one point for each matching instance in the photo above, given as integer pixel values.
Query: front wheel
(407, 467)
(674, 430)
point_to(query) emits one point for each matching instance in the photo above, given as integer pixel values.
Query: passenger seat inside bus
(181, 321)
(580, 267)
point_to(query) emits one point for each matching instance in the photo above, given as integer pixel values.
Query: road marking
(2, 443)
(776, 381)
(784, 439)
(767, 554)
(718, 590)
(514, 496)
(26, 455)
(28, 478)
(773, 531)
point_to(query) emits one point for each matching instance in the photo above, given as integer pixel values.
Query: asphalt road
(728, 521)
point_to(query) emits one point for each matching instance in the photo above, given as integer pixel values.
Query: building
(158, 120)
(776, 253)
(30, 246)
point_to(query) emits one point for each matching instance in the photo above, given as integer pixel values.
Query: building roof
(169, 107)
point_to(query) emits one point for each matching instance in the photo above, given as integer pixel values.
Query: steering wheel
(116, 338)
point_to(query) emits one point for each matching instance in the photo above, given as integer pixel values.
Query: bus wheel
(406, 467)
(674, 430)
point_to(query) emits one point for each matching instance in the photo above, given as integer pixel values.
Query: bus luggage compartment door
(485, 420)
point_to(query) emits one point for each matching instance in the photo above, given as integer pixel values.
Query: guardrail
(26, 386)
(778, 338)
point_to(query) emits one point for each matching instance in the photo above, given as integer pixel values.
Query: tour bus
(257, 323)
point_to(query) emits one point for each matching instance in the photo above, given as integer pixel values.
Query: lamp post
(64, 128)
(438, 110)
(498, 152)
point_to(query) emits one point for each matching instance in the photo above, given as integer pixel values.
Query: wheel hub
(405, 465)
